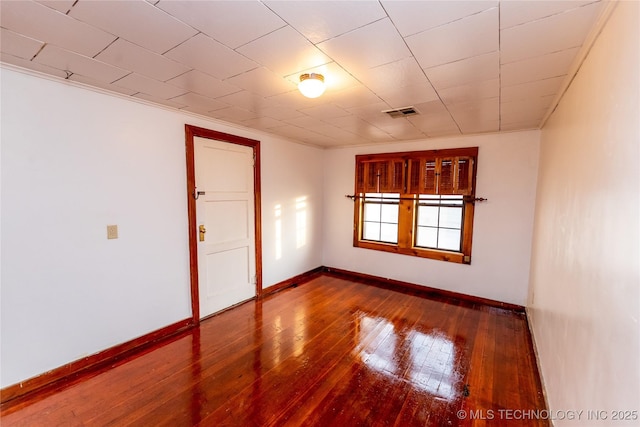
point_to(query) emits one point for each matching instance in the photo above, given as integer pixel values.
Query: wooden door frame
(190, 133)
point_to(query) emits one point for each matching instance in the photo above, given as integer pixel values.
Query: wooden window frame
(450, 172)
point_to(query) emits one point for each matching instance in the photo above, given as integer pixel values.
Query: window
(416, 203)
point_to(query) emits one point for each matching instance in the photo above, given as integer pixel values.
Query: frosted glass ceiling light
(311, 85)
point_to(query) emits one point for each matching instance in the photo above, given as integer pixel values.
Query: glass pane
(428, 215)
(372, 212)
(451, 217)
(371, 231)
(449, 239)
(389, 233)
(427, 237)
(429, 198)
(373, 195)
(392, 196)
(452, 200)
(389, 213)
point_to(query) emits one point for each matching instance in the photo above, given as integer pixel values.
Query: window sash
(379, 175)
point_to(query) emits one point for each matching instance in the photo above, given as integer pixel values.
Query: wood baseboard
(296, 280)
(65, 374)
(420, 289)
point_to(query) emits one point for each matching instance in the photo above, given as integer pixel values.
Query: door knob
(202, 231)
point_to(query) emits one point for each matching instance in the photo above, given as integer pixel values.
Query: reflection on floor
(331, 352)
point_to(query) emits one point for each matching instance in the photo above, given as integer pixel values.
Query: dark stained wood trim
(294, 281)
(420, 289)
(71, 371)
(191, 212)
(447, 152)
(190, 133)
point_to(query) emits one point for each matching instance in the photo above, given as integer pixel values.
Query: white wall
(75, 160)
(499, 270)
(585, 281)
(291, 210)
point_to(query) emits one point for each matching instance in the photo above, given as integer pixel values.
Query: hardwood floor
(331, 352)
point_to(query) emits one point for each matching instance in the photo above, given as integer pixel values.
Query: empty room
(319, 213)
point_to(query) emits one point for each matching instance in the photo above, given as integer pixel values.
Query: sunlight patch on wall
(301, 221)
(277, 212)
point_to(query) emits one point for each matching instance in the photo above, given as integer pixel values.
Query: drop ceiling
(467, 67)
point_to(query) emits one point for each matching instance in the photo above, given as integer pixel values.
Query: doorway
(223, 193)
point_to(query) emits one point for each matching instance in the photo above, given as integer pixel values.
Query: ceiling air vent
(401, 112)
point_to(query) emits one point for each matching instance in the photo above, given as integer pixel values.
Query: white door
(225, 208)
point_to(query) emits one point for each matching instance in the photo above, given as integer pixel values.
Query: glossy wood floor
(331, 352)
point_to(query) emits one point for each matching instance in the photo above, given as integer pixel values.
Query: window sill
(440, 255)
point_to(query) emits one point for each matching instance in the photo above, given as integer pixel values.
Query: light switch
(112, 231)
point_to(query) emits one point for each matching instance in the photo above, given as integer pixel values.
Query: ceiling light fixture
(311, 85)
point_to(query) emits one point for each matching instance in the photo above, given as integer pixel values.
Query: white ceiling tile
(532, 89)
(357, 126)
(470, 92)
(128, 56)
(249, 101)
(149, 86)
(136, 21)
(280, 113)
(558, 32)
(356, 96)
(482, 109)
(479, 126)
(525, 109)
(298, 133)
(199, 101)
(30, 65)
(262, 82)
(198, 110)
(43, 23)
(396, 74)
(367, 47)
(325, 111)
(232, 23)
(411, 17)
(203, 84)
(435, 123)
(305, 122)
(468, 37)
(370, 111)
(101, 85)
(516, 12)
(402, 129)
(296, 101)
(263, 123)
(331, 131)
(69, 61)
(538, 68)
(472, 117)
(59, 5)
(207, 55)
(409, 95)
(243, 64)
(166, 102)
(529, 124)
(285, 52)
(322, 20)
(18, 45)
(430, 108)
(476, 69)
